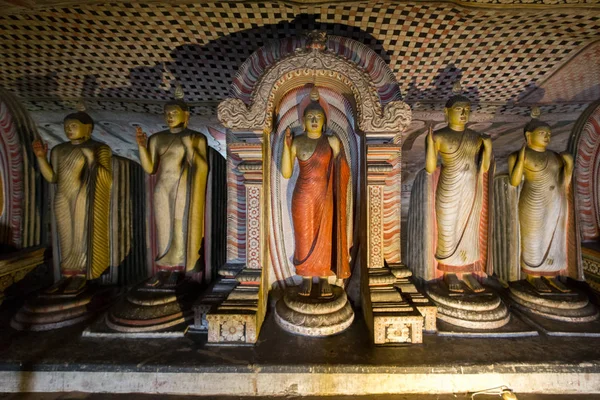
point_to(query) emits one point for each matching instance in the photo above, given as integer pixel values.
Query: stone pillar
(239, 317)
(394, 308)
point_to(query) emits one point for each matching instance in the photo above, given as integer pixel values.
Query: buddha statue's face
(175, 117)
(314, 121)
(458, 114)
(539, 138)
(77, 130)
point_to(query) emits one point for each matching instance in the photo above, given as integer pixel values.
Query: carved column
(239, 317)
(393, 306)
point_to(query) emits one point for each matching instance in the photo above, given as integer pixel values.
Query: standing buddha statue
(543, 206)
(319, 204)
(81, 169)
(318, 201)
(177, 158)
(449, 222)
(459, 198)
(538, 221)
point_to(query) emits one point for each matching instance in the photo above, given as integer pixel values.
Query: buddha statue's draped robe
(179, 194)
(319, 215)
(82, 208)
(459, 205)
(543, 210)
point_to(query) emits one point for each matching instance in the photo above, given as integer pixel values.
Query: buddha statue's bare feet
(173, 279)
(454, 284)
(538, 284)
(56, 287)
(75, 284)
(556, 284)
(305, 286)
(157, 279)
(472, 283)
(325, 288)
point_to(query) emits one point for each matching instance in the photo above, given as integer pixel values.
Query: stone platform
(283, 364)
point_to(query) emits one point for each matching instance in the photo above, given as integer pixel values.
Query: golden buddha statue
(82, 172)
(319, 200)
(178, 159)
(543, 207)
(459, 195)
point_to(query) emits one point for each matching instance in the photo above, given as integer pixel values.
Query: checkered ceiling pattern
(138, 51)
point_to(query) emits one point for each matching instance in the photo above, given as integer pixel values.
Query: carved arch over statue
(370, 83)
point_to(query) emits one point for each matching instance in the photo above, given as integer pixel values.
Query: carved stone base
(233, 327)
(150, 309)
(591, 266)
(314, 316)
(52, 311)
(14, 266)
(484, 311)
(572, 307)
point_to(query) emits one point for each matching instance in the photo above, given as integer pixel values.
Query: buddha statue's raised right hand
(40, 149)
(140, 136)
(288, 137)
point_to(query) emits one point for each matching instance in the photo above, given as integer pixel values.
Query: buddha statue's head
(177, 112)
(314, 118)
(457, 111)
(78, 126)
(537, 134)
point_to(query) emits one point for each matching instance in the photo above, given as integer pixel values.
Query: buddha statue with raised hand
(449, 223)
(318, 200)
(543, 207)
(177, 157)
(81, 169)
(459, 196)
(319, 203)
(535, 242)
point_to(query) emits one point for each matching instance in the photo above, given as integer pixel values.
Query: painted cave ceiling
(134, 51)
(125, 58)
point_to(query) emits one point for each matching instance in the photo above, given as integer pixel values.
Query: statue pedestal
(52, 311)
(479, 311)
(314, 316)
(573, 307)
(153, 309)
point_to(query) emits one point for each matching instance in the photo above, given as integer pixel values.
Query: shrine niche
(585, 147)
(181, 193)
(279, 90)
(21, 193)
(449, 223)
(536, 245)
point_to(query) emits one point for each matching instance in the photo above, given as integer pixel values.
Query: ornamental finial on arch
(316, 40)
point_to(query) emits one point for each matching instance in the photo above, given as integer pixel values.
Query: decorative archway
(363, 85)
(584, 144)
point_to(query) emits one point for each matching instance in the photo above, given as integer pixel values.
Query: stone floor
(278, 352)
(86, 396)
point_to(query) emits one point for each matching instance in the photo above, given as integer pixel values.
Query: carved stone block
(232, 328)
(398, 327)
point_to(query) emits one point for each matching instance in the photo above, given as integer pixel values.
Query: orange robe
(319, 214)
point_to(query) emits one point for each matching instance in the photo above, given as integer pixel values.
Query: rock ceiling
(127, 56)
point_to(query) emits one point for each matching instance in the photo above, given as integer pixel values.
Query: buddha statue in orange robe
(319, 201)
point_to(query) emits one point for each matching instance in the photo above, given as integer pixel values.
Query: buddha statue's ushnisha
(319, 200)
(81, 169)
(459, 195)
(178, 159)
(543, 206)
